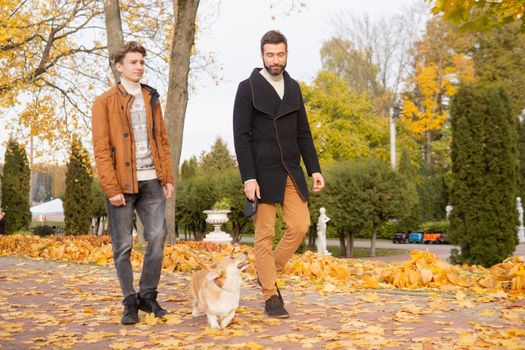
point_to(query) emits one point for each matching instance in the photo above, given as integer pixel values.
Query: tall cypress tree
(412, 219)
(15, 188)
(485, 173)
(78, 195)
(521, 151)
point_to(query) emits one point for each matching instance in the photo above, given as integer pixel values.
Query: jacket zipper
(282, 159)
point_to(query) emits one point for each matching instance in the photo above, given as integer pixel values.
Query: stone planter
(217, 218)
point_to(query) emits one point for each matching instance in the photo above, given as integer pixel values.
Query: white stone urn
(217, 218)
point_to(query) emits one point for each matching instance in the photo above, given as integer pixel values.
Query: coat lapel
(266, 99)
(290, 101)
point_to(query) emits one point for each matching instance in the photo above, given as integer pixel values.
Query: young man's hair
(130, 46)
(273, 37)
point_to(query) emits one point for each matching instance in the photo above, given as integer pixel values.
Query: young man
(271, 135)
(133, 162)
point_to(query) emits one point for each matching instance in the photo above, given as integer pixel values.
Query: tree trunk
(373, 242)
(236, 230)
(349, 245)
(177, 98)
(342, 243)
(428, 150)
(113, 31)
(312, 235)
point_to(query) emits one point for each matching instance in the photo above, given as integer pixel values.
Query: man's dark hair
(130, 46)
(273, 37)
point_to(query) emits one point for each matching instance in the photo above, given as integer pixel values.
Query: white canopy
(49, 211)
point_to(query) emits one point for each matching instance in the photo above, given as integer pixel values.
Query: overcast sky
(232, 33)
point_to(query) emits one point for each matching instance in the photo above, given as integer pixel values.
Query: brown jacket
(113, 143)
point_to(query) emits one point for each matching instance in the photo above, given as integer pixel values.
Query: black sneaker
(274, 307)
(149, 304)
(131, 310)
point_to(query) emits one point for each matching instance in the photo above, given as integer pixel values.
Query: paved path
(57, 305)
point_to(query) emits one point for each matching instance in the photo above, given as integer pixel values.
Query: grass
(365, 252)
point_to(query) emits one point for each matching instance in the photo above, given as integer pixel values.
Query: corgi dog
(216, 291)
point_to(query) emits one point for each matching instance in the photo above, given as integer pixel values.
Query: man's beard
(276, 69)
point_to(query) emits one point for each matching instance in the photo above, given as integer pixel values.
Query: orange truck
(432, 237)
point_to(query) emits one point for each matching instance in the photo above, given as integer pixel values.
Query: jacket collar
(153, 93)
(266, 99)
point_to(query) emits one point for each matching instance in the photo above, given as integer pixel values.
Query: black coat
(271, 135)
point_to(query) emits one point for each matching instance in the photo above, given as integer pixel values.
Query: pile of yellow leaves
(313, 266)
(508, 275)
(423, 270)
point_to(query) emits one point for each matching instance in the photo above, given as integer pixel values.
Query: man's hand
(318, 182)
(251, 189)
(118, 200)
(168, 190)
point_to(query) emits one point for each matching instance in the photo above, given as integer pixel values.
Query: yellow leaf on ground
(371, 282)
(151, 320)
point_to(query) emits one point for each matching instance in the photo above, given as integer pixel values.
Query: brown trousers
(296, 216)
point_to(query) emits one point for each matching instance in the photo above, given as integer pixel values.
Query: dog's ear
(217, 276)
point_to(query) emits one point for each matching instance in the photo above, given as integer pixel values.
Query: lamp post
(395, 112)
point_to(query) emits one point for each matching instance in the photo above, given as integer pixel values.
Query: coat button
(127, 163)
(126, 134)
(126, 185)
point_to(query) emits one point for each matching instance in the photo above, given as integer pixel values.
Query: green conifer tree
(15, 188)
(78, 195)
(411, 220)
(484, 176)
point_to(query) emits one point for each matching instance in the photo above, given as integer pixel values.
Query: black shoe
(278, 291)
(131, 310)
(149, 304)
(274, 307)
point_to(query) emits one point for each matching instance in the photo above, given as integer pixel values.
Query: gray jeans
(150, 205)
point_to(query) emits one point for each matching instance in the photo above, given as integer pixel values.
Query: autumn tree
(15, 188)
(485, 169)
(480, 15)
(440, 64)
(49, 64)
(370, 54)
(498, 57)
(343, 123)
(78, 198)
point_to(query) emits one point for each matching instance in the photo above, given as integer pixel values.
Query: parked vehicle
(431, 237)
(443, 238)
(415, 237)
(400, 237)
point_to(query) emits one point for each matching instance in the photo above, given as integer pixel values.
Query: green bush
(434, 226)
(44, 230)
